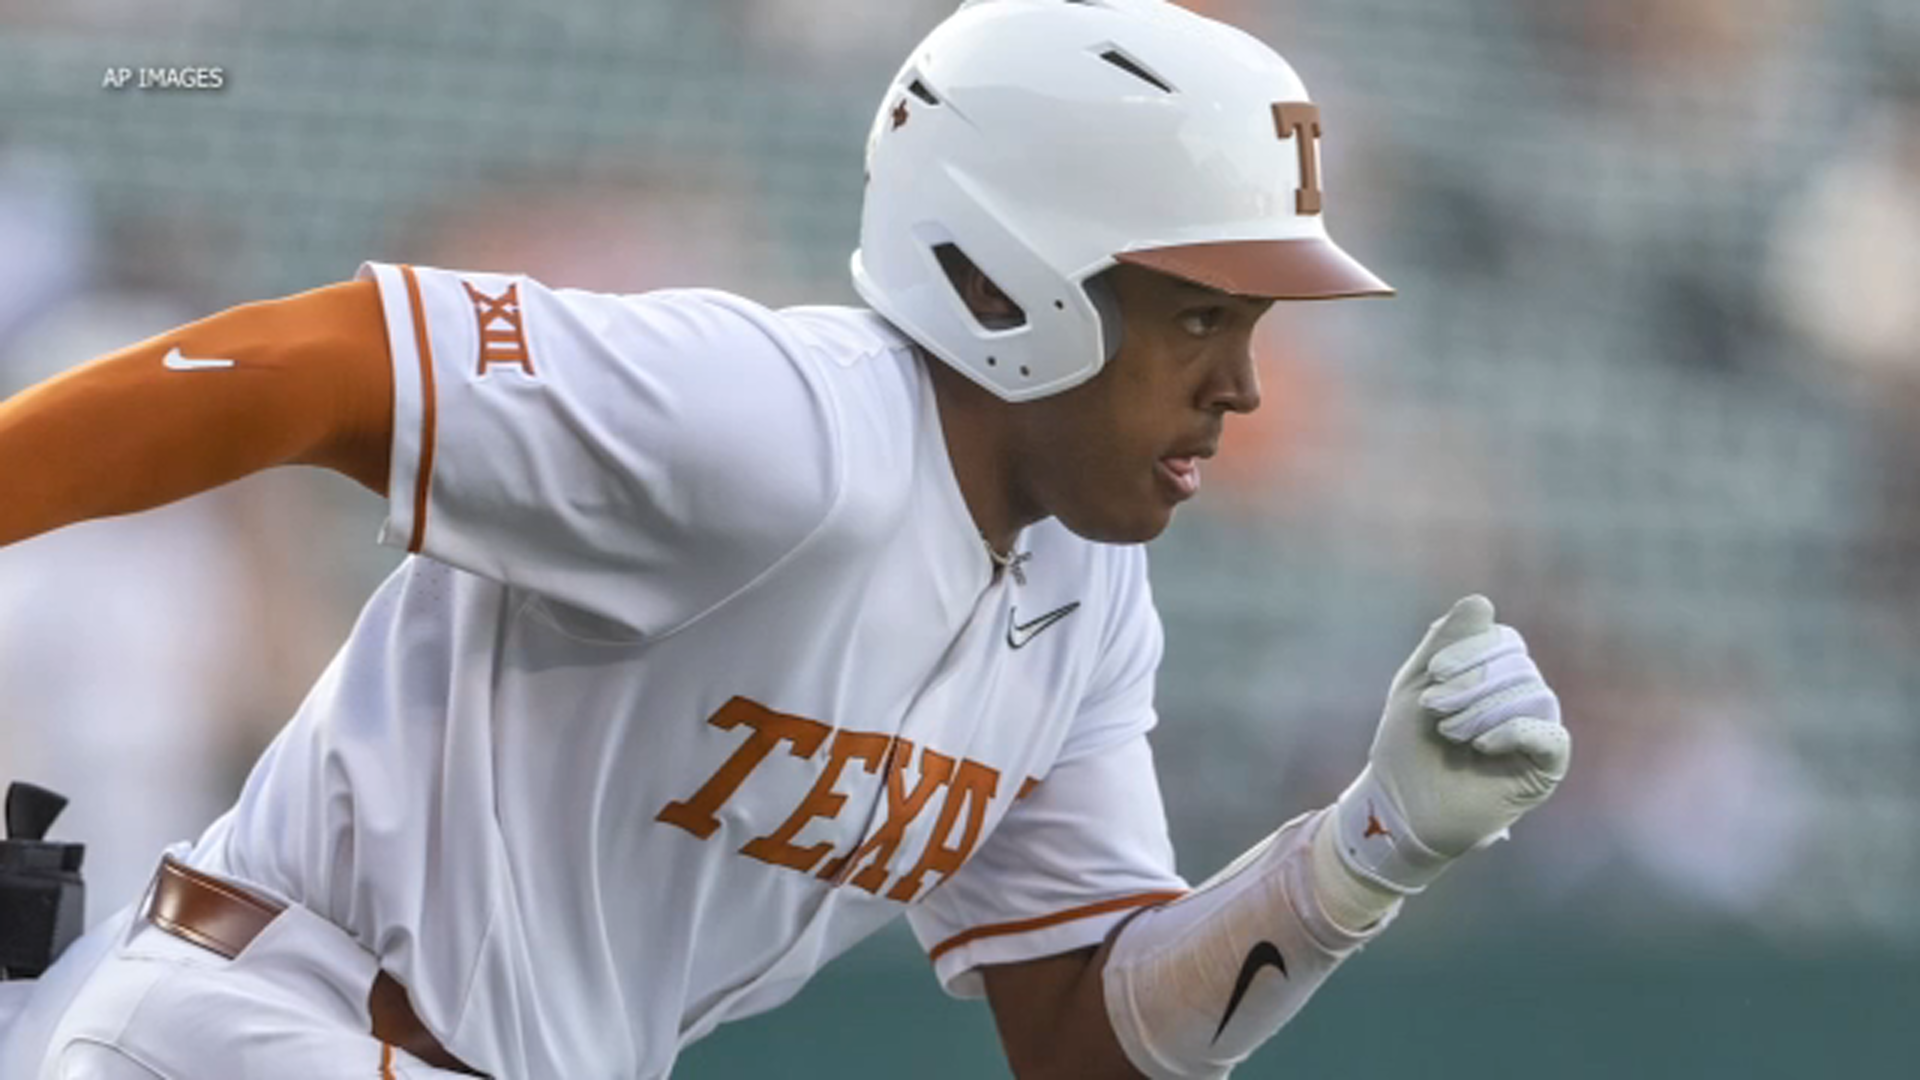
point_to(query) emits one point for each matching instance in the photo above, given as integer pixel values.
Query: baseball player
(728, 635)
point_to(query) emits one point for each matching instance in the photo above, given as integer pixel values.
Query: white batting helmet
(1046, 140)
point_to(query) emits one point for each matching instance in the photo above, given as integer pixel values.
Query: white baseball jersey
(700, 675)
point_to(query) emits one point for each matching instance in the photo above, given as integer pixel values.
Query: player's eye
(1203, 321)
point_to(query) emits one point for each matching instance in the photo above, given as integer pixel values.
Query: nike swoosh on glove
(1470, 741)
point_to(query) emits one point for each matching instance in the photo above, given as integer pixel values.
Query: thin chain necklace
(1008, 561)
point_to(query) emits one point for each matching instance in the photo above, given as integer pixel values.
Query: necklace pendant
(1010, 562)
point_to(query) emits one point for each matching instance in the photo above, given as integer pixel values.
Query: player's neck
(981, 446)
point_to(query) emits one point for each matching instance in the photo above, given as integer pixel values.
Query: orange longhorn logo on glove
(1374, 828)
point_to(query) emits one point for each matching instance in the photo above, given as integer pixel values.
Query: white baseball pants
(131, 1002)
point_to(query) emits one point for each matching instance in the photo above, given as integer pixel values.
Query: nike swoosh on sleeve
(177, 361)
(1263, 954)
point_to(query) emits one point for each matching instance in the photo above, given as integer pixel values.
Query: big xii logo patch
(502, 328)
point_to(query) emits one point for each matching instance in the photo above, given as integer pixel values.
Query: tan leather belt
(223, 919)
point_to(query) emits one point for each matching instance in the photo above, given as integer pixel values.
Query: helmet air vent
(919, 89)
(1136, 69)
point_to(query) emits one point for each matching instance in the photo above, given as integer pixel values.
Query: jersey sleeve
(642, 458)
(1082, 850)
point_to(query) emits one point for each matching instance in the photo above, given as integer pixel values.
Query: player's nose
(1234, 385)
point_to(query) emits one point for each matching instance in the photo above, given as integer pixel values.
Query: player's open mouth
(1181, 475)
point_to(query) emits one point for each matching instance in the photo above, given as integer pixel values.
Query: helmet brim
(1310, 268)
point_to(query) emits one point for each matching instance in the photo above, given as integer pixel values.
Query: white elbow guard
(1194, 986)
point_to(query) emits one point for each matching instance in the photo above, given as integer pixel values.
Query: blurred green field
(1543, 1009)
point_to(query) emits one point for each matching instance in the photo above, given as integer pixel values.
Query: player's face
(1112, 457)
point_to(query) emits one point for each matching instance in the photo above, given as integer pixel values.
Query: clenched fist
(1470, 740)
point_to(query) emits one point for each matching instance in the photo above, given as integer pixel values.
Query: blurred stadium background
(1652, 381)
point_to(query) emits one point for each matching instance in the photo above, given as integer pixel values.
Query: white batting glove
(1470, 740)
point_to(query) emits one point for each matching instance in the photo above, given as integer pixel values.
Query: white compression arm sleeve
(1194, 986)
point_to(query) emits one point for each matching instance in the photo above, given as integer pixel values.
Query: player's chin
(1131, 521)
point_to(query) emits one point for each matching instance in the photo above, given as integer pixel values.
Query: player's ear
(988, 302)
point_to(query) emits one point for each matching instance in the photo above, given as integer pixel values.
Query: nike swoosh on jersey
(1263, 954)
(1018, 634)
(176, 361)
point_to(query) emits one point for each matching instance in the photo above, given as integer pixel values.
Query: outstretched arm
(301, 380)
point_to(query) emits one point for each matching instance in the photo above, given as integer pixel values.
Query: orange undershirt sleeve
(301, 380)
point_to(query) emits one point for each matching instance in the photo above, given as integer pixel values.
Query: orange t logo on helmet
(1300, 120)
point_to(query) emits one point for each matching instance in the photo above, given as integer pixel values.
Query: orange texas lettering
(968, 786)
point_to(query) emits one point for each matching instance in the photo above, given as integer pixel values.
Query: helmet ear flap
(1106, 304)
